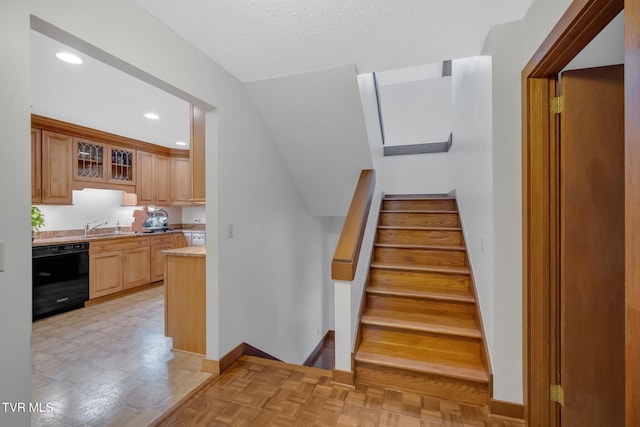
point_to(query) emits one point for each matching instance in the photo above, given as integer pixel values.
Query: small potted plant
(37, 221)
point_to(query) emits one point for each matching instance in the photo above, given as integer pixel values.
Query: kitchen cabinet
(118, 264)
(50, 167)
(122, 164)
(89, 160)
(105, 273)
(154, 179)
(185, 299)
(100, 162)
(160, 243)
(68, 157)
(137, 263)
(36, 165)
(180, 181)
(198, 155)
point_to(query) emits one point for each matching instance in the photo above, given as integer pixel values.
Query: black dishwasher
(60, 276)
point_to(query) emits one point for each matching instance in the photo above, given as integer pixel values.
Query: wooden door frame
(582, 21)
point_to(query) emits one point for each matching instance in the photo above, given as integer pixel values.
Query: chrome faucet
(88, 227)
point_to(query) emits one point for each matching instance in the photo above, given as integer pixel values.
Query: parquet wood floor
(258, 392)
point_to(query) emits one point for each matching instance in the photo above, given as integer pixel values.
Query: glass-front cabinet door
(99, 162)
(122, 165)
(90, 160)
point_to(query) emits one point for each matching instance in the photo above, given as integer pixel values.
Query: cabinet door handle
(39, 192)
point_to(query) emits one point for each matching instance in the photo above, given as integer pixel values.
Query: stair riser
(432, 385)
(421, 306)
(420, 237)
(420, 205)
(406, 219)
(419, 257)
(429, 282)
(456, 348)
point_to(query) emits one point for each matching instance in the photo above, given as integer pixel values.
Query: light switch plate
(1, 255)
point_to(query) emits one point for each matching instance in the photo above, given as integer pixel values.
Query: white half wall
(331, 227)
(15, 227)
(415, 174)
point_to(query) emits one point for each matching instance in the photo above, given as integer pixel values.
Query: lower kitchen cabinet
(105, 273)
(161, 243)
(136, 267)
(117, 265)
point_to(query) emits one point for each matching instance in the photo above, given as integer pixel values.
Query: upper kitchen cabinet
(180, 181)
(89, 160)
(198, 155)
(51, 167)
(122, 166)
(36, 165)
(154, 179)
(100, 162)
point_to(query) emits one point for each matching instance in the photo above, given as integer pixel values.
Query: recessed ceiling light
(152, 116)
(69, 57)
(181, 143)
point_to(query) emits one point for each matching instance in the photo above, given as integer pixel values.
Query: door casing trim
(582, 21)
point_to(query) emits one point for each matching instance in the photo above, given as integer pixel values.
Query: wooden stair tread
(415, 246)
(406, 290)
(422, 269)
(417, 197)
(416, 211)
(431, 323)
(393, 356)
(417, 228)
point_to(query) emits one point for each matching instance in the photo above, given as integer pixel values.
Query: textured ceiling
(259, 39)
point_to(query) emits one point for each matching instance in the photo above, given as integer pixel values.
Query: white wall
(331, 227)
(194, 214)
(15, 164)
(95, 204)
(470, 160)
(270, 272)
(267, 279)
(507, 315)
(415, 174)
(410, 174)
(417, 112)
(368, 98)
(317, 122)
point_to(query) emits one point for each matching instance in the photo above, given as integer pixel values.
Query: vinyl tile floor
(109, 364)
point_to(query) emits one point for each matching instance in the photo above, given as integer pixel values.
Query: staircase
(420, 330)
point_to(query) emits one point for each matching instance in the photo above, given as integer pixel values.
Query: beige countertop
(94, 237)
(190, 251)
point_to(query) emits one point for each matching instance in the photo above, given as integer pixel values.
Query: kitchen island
(185, 298)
